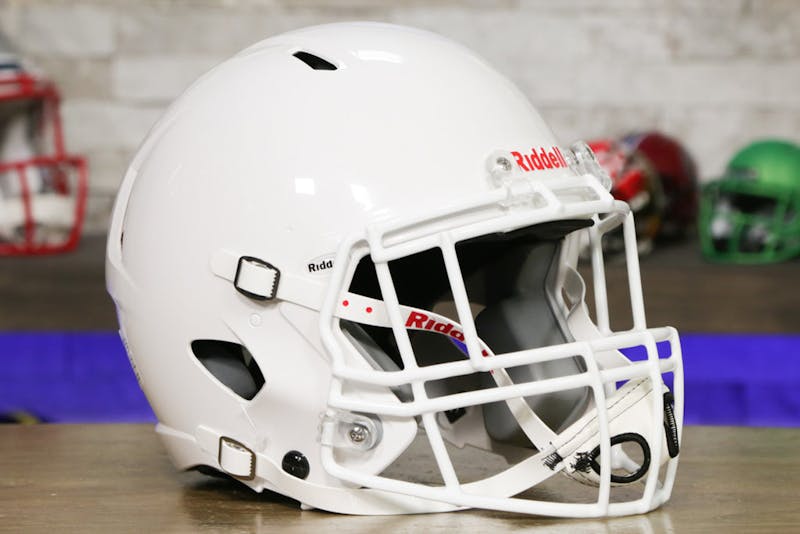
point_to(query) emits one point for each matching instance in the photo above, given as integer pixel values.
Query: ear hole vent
(315, 62)
(230, 363)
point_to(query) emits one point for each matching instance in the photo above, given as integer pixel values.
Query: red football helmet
(677, 173)
(634, 181)
(42, 187)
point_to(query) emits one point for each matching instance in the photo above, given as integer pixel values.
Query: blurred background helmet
(42, 187)
(677, 174)
(750, 214)
(635, 181)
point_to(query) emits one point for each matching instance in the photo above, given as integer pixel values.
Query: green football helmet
(752, 213)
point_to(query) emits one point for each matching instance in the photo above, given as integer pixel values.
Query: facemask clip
(351, 430)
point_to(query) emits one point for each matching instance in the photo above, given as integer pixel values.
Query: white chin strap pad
(631, 419)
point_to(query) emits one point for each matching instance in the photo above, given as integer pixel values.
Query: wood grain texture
(117, 478)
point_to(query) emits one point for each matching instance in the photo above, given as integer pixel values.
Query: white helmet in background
(42, 187)
(350, 236)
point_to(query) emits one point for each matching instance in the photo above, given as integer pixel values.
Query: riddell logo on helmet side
(421, 321)
(320, 265)
(540, 159)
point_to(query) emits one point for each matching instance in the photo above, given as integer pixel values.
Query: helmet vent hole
(315, 62)
(231, 364)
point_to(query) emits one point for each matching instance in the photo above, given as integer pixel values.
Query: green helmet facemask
(752, 213)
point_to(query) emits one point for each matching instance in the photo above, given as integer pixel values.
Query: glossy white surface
(267, 157)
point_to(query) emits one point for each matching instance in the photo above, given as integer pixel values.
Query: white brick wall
(83, 30)
(95, 125)
(156, 78)
(714, 73)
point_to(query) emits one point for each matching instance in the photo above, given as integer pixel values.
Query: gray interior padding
(514, 277)
(231, 364)
(374, 355)
(233, 373)
(527, 321)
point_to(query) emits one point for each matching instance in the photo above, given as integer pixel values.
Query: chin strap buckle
(256, 278)
(236, 459)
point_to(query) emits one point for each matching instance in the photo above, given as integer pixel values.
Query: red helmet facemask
(42, 187)
(634, 180)
(627, 178)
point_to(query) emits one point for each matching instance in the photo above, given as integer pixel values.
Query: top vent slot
(315, 62)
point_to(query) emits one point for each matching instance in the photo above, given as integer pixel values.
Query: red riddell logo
(540, 159)
(421, 321)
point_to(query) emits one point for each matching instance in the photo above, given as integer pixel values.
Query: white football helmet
(42, 187)
(352, 235)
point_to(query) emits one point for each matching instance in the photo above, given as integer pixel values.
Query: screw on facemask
(503, 163)
(358, 434)
(500, 167)
(351, 430)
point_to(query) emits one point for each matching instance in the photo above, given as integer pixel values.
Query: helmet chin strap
(630, 419)
(365, 310)
(576, 449)
(629, 406)
(369, 311)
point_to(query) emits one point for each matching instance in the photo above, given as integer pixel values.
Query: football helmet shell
(677, 175)
(352, 234)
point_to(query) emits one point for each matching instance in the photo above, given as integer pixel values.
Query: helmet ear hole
(231, 364)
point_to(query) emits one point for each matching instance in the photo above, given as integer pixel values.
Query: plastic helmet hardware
(586, 162)
(635, 182)
(296, 464)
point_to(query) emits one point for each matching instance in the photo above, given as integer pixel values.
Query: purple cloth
(71, 377)
(75, 377)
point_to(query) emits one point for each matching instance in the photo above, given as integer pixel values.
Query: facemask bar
(596, 233)
(517, 205)
(25, 207)
(26, 214)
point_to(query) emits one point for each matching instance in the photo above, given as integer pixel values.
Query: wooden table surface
(117, 478)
